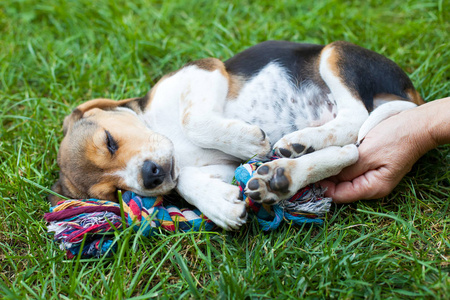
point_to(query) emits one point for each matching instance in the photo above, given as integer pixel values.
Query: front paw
(270, 184)
(255, 145)
(295, 144)
(228, 215)
(224, 208)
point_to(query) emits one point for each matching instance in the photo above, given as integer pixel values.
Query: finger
(363, 164)
(370, 185)
(353, 171)
(343, 192)
(332, 179)
(329, 185)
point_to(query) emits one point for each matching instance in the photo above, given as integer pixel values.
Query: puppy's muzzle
(152, 174)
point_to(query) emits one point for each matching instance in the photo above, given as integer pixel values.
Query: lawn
(56, 54)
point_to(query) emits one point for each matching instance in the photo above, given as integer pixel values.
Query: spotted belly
(279, 106)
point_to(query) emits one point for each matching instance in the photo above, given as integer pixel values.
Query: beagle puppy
(308, 104)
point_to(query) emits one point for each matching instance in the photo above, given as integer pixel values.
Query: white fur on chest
(274, 102)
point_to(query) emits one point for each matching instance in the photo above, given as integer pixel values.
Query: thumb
(341, 192)
(353, 171)
(364, 163)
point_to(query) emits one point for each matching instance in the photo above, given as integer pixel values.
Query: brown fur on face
(90, 170)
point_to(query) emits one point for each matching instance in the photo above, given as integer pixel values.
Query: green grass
(56, 54)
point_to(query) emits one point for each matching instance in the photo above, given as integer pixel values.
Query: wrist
(415, 130)
(438, 125)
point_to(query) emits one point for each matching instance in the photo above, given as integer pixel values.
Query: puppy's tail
(381, 113)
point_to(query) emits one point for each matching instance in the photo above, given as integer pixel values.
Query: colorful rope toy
(73, 220)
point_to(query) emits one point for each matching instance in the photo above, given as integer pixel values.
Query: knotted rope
(71, 221)
(308, 205)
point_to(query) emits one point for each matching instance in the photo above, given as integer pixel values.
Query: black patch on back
(129, 105)
(138, 105)
(368, 73)
(365, 72)
(143, 102)
(297, 59)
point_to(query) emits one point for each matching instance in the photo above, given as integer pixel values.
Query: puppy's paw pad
(263, 170)
(268, 184)
(298, 148)
(301, 142)
(256, 189)
(283, 152)
(279, 182)
(285, 149)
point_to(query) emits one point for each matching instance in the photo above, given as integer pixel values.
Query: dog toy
(308, 205)
(71, 221)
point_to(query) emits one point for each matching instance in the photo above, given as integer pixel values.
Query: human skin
(390, 150)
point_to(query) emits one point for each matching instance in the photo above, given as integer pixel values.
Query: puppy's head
(107, 147)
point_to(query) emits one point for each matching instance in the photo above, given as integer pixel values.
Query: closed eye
(111, 144)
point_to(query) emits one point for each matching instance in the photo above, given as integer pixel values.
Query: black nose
(152, 174)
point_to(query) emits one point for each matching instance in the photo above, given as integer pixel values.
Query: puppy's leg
(202, 120)
(340, 131)
(282, 178)
(219, 201)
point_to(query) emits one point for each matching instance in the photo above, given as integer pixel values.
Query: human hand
(385, 156)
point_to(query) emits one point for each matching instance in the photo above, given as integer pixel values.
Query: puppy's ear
(71, 119)
(104, 191)
(57, 188)
(65, 188)
(100, 103)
